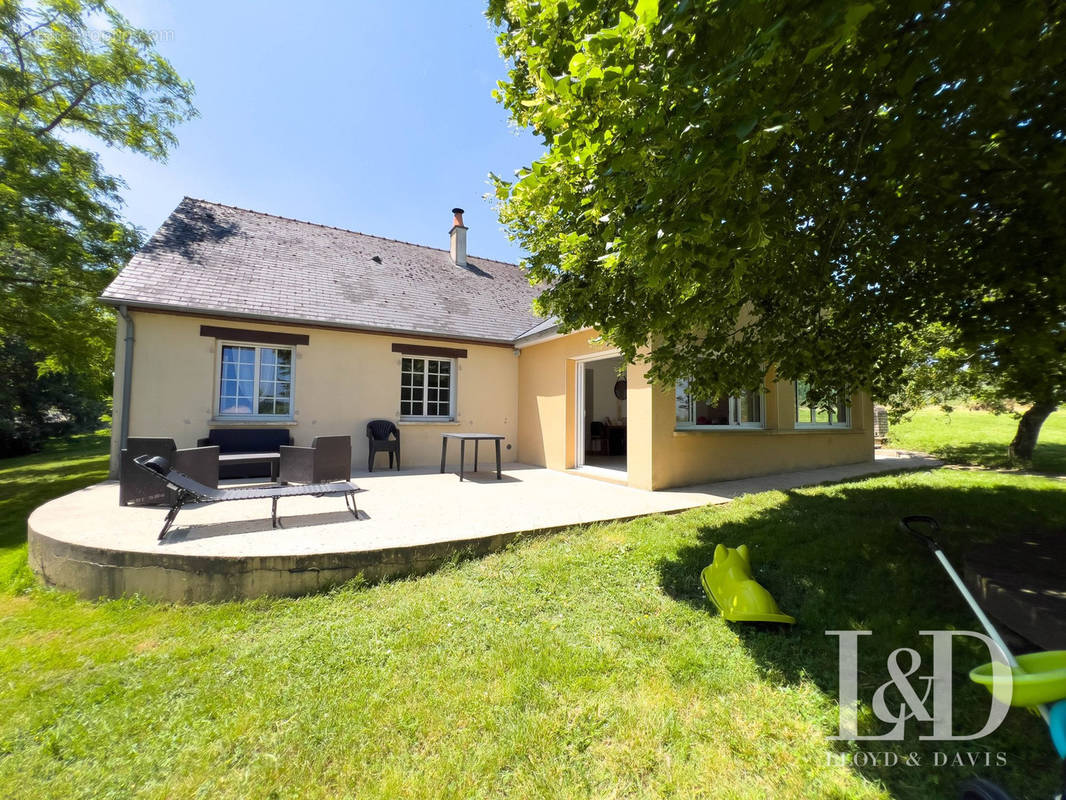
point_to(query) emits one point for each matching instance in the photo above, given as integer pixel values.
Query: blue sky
(373, 116)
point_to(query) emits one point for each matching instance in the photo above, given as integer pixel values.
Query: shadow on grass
(55, 452)
(1048, 458)
(85, 444)
(835, 560)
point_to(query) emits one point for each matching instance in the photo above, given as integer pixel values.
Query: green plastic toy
(739, 597)
(1037, 679)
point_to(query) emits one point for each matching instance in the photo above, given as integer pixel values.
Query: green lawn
(29, 481)
(979, 437)
(583, 664)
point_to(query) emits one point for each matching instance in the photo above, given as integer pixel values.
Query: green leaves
(745, 127)
(647, 12)
(805, 184)
(61, 235)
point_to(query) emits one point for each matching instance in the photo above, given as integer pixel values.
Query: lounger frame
(187, 490)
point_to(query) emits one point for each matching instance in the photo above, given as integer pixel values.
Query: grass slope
(585, 664)
(979, 438)
(29, 481)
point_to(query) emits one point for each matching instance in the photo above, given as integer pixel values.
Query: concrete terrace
(409, 523)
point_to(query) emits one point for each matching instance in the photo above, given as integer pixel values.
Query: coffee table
(274, 459)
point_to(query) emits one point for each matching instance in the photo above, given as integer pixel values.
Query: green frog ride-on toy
(730, 585)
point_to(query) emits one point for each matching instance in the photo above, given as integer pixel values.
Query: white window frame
(810, 424)
(734, 413)
(453, 372)
(220, 415)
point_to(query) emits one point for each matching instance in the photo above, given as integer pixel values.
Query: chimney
(458, 234)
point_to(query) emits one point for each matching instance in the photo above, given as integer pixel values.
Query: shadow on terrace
(835, 560)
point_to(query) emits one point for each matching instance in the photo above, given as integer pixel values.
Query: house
(230, 318)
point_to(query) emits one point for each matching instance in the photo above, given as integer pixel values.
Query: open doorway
(602, 439)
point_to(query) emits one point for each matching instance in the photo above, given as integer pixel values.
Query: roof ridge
(337, 228)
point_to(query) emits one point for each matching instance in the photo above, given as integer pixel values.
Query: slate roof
(225, 261)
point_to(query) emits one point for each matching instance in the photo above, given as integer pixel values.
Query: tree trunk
(1024, 442)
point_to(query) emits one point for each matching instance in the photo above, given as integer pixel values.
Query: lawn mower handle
(905, 525)
(928, 541)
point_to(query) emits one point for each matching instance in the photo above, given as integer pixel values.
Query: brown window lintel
(427, 350)
(249, 335)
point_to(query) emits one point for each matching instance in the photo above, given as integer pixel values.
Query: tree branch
(11, 280)
(66, 111)
(22, 72)
(30, 31)
(42, 90)
(854, 169)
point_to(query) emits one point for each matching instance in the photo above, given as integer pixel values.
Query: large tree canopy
(799, 184)
(72, 67)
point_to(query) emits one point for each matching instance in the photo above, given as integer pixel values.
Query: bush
(35, 406)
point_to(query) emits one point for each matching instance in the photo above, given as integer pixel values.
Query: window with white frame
(826, 413)
(255, 381)
(427, 388)
(742, 411)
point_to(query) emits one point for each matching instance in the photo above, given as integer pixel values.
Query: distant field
(980, 438)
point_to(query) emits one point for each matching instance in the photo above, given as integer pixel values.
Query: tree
(805, 184)
(939, 369)
(72, 67)
(35, 406)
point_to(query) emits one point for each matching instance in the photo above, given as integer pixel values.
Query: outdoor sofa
(246, 440)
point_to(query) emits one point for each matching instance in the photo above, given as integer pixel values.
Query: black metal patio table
(477, 438)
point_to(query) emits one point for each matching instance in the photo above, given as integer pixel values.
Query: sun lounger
(189, 491)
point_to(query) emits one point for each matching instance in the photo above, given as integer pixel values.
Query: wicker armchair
(378, 432)
(140, 488)
(329, 458)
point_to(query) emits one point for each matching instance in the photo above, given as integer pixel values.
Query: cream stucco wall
(547, 411)
(682, 457)
(341, 380)
(545, 416)
(659, 456)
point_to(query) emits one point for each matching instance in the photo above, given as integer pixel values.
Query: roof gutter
(549, 335)
(127, 377)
